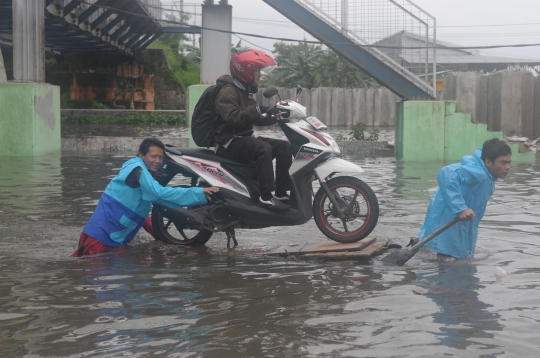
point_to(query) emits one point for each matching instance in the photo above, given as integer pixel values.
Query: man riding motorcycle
(237, 113)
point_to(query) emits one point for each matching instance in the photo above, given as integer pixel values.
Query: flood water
(152, 300)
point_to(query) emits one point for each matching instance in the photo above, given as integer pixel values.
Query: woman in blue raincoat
(464, 190)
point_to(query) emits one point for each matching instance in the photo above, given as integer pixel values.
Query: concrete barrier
(114, 113)
(506, 101)
(124, 145)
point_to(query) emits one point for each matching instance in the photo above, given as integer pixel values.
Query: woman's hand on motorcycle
(209, 191)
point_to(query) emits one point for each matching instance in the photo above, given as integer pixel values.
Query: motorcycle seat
(207, 155)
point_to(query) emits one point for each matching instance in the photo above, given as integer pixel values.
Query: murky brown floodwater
(157, 301)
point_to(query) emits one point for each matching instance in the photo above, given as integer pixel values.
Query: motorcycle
(344, 207)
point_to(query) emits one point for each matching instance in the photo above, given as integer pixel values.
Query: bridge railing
(404, 33)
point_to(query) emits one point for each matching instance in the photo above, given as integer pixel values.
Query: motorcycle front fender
(338, 166)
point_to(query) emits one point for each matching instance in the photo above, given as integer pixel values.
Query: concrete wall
(506, 101)
(436, 131)
(29, 119)
(343, 106)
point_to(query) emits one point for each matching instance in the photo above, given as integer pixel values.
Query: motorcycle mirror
(270, 91)
(299, 89)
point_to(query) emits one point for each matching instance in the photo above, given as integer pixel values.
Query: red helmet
(244, 60)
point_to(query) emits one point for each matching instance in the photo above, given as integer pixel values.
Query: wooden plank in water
(363, 249)
(371, 250)
(322, 247)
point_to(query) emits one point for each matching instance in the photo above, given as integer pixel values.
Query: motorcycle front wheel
(361, 210)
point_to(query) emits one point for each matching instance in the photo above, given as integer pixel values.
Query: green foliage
(127, 89)
(65, 101)
(358, 132)
(97, 105)
(313, 66)
(143, 119)
(183, 58)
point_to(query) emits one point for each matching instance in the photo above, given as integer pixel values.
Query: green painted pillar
(29, 119)
(193, 94)
(420, 130)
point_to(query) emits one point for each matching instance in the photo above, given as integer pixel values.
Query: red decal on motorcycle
(308, 156)
(210, 169)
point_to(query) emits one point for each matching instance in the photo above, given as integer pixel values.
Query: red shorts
(89, 245)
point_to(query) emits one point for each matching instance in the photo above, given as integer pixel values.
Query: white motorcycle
(345, 208)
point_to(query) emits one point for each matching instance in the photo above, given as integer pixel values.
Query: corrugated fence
(343, 106)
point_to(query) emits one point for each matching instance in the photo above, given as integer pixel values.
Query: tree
(313, 66)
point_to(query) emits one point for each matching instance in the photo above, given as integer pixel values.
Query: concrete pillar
(313, 109)
(370, 107)
(536, 119)
(527, 105)
(377, 107)
(420, 130)
(305, 100)
(3, 77)
(215, 45)
(29, 119)
(449, 88)
(517, 103)
(494, 84)
(481, 99)
(466, 92)
(388, 107)
(29, 40)
(359, 105)
(325, 105)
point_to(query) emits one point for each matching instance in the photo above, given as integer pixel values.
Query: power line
(497, 25)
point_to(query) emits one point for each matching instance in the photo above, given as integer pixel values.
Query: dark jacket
(236, 111)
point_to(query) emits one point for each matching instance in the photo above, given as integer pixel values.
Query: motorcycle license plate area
(316, 123)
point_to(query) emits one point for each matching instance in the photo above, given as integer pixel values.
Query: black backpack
(203, 119)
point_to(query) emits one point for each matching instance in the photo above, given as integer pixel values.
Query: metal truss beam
(117, 4)
(119, 17)
(93, 8)
(119, 31)
(70, 7)
(133, 30)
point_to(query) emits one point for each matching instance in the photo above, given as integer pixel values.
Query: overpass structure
(77, 26)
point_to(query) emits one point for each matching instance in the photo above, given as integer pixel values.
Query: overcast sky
(515, 14)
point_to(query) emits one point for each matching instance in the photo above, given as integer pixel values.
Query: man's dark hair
(150, 142)
(495, 148)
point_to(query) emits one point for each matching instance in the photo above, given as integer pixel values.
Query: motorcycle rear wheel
(359, 222)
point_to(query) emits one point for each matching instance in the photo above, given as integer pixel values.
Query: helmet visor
(264, 70)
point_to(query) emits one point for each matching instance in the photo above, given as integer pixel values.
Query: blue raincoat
(468, 184)
(122, 209)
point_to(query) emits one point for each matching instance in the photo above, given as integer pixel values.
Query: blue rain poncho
(468, 184)
(122, 209)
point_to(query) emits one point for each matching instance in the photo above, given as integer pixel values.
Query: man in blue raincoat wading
(464, 190)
